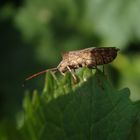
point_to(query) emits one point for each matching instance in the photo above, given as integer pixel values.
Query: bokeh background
(34, 34)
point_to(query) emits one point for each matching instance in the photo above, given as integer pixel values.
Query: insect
(89, 57)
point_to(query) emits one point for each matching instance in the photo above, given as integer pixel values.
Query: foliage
(91, 17)
(67, 25)
(91, 109)
(33, 35)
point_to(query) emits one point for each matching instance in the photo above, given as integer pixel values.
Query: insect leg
(103, 62)
(73, 75)
(74, 70)
(62, 73)
(96, 64)
(54, 76)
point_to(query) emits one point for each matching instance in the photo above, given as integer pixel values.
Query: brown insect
(89, 57)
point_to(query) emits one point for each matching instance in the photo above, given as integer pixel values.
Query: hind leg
(103, 64)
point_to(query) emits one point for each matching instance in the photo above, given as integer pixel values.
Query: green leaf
(91, 109)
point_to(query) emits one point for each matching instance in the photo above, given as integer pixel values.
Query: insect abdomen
(104, 55)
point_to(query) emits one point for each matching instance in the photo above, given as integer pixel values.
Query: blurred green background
(34, 34)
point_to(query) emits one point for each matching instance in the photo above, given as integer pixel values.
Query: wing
(82, 51)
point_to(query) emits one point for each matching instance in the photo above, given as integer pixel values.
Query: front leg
(73, 75)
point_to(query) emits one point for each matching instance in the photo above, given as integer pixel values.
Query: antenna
(39, 73)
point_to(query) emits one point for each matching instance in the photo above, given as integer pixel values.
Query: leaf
(88, 110)
(8, 130)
